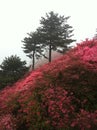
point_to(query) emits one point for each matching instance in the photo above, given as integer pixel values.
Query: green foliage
(33, 47)
(12, 69)
(55, 32)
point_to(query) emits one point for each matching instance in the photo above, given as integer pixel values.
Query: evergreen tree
(55, 32)
(12, 69)
(33, 46)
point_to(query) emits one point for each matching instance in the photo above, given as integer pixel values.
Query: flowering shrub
(58, 96)
(7, 122)
(58, 106)
(85, 120)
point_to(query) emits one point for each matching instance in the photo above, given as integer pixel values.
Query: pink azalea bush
(7, 122)
(60, 95)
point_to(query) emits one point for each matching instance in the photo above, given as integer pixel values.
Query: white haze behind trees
(19, 17)
(42, 60)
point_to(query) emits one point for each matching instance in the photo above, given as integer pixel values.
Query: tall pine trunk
(50, 53)
(33, 62)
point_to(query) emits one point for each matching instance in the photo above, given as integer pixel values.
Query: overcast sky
(19, 17)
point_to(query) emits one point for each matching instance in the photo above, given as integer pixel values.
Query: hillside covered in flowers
(61, 95)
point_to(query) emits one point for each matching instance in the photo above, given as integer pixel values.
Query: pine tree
(55, 32)
(33, 47)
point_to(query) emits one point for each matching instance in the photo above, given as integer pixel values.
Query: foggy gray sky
(19, 17)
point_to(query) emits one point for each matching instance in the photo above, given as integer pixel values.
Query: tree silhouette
(55, 32)
(33, 47)
(12, 69)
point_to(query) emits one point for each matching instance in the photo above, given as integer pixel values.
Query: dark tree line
(54, 33)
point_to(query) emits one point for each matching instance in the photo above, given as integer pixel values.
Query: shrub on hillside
(58, 96)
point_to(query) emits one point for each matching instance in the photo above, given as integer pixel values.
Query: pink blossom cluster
(87, 52)
(60, 108)
(7, 122)
(85, 120)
